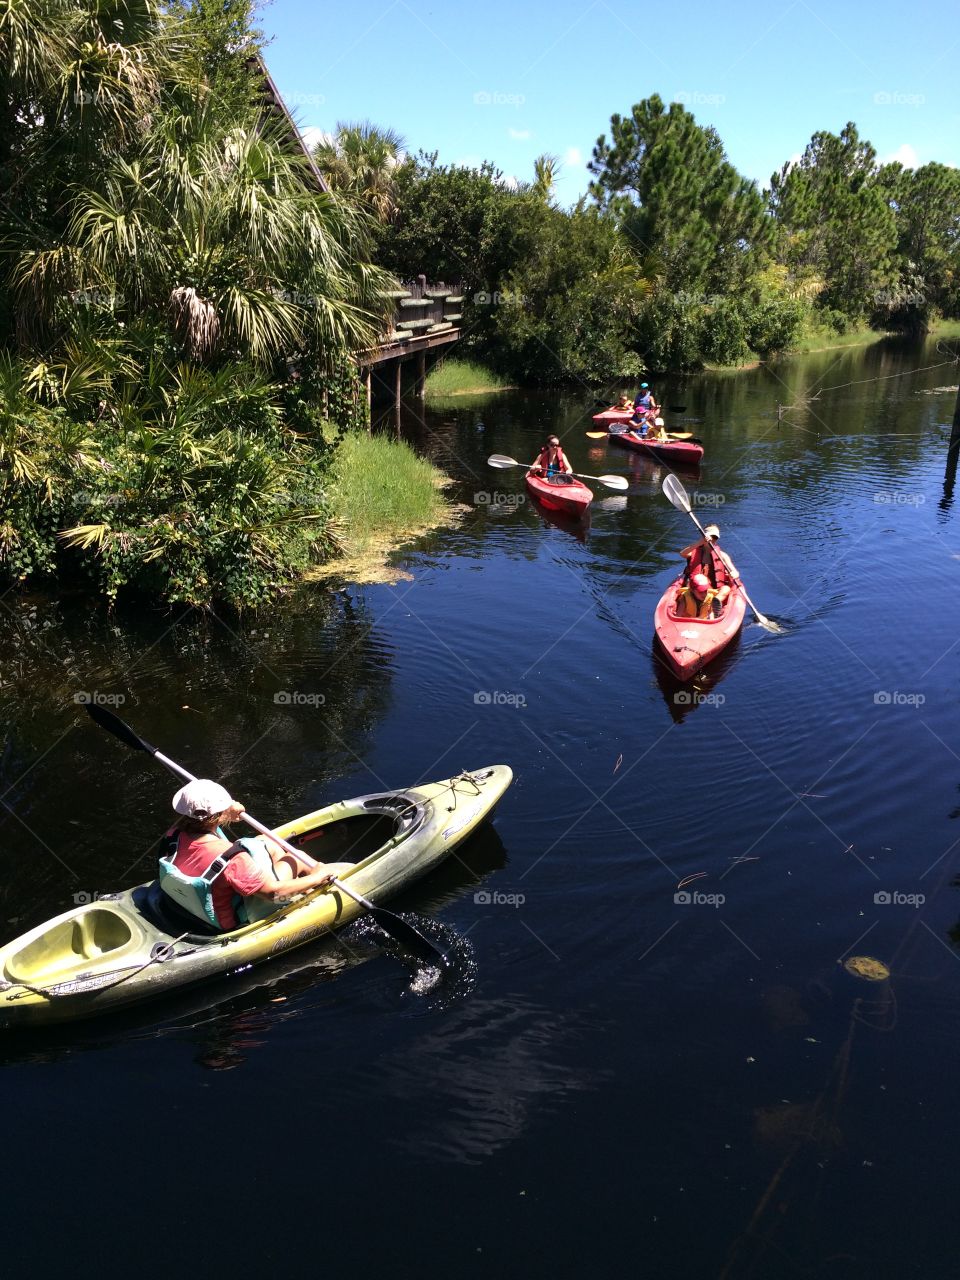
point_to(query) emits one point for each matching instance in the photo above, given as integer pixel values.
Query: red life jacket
(707, 560)
(559, 463)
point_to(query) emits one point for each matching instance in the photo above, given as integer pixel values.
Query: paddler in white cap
(222, 882)
(705, 559)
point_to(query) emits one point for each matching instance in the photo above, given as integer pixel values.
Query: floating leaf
(868, 968)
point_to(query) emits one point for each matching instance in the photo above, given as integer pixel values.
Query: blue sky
(506, 80)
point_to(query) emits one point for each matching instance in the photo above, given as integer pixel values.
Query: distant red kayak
(560, 493)
(690, 643)
(613, 414)
(672, 450)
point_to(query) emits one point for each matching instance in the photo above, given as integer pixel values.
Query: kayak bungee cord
(463, 776)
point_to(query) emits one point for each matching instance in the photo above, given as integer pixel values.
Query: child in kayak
(222, 882)
(706, 560)
(695, 598)
(551, 460)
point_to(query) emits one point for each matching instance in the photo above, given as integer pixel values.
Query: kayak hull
(572, 499)
(118, 951)
(690, 643)
(676, 451)
(613, 415)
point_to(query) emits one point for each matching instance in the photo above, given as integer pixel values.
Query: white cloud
(312, 136)
(520, 135)
(510, 181)
(905, 155)
(573, 155)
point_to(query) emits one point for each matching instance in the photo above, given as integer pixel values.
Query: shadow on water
(277, 709)
(228, 1018)
(577, 526)
(684, 696)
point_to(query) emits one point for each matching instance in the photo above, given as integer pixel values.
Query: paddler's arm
(235, 814)
(731, 567)
(315, 879)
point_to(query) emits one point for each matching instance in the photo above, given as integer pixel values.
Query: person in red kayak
(645, 410)
(222, 882)
(645, 400)
(551, 460)
(708, 578)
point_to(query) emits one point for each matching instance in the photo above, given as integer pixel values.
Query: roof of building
(275, 102)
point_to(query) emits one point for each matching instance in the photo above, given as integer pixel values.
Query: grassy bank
(462, 378)
(381, 495)
(823, 338)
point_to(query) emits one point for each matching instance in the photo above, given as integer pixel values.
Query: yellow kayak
(135, 945)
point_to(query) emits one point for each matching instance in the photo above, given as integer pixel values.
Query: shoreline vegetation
(471, 378)
(457, 377)
(382, 496)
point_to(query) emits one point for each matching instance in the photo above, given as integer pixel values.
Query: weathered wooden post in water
(953, 452)
(421, 373)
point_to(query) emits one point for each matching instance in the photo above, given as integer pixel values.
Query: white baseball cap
(201, 798)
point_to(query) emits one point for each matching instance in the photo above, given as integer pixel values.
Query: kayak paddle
(404, 933)
(501, 461)
(676, 494)
(671, 435)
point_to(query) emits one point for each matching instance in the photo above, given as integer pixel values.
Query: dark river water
(616, 1080)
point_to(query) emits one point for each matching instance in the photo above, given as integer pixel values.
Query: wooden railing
(425, 309)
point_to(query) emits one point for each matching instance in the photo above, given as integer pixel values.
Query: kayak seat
(560, 479)
(685, 617)
(160, 910)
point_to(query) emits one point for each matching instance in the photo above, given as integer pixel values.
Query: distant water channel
(629, 1077)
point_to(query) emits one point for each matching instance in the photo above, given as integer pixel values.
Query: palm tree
(360, 160)
(217, 233)
(546, 168)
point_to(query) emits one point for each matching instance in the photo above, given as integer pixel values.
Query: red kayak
(560, 493)
(690, 643)
(672, 450)
(613, 414)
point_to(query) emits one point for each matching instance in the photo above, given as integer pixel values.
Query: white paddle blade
(676, 493)
(502, 461)
(614, 482)
(658, 422)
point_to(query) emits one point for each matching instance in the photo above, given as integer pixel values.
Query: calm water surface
(615, 1078)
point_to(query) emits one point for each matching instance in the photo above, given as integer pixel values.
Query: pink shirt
(242, 875)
